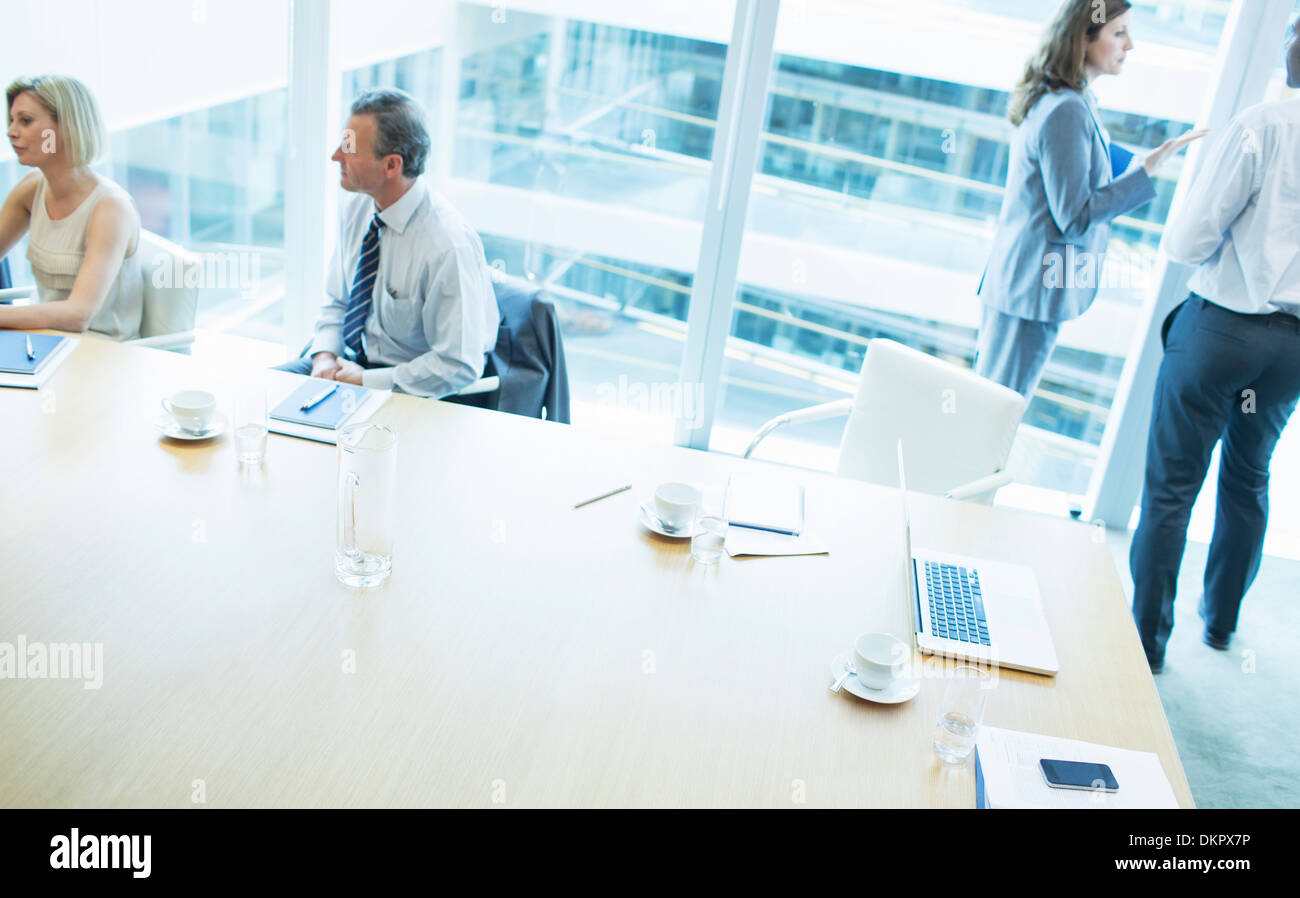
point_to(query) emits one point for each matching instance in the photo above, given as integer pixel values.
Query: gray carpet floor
(1230, 712)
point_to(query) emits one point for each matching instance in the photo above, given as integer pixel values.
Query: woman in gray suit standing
(1062, 192)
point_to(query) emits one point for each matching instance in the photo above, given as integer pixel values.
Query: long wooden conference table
(523, 653)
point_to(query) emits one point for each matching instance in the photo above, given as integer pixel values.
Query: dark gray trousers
(297, 366)
(302, 364)
(1225, 376)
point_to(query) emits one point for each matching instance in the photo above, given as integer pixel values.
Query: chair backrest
(529, 355)
(955, 425)
(170, 307)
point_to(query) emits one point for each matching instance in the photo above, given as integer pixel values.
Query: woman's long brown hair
(1059, 60)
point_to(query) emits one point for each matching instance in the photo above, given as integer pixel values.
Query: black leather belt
(1273, 319)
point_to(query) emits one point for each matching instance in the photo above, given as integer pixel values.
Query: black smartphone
(1078, 775)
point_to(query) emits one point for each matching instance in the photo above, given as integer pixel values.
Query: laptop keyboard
(956, 606)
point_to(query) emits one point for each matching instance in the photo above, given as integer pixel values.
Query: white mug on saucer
(880, 659)
(675, 503)
(192, 410)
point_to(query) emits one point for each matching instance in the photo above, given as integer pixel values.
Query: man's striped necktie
(363, 285)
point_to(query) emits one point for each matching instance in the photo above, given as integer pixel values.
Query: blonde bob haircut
(74, 110)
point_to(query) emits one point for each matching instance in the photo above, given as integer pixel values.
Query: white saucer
(176, 432)
(652, 525)
(900, 690)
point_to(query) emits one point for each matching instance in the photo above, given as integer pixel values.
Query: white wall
(147, 60)
(372, 31)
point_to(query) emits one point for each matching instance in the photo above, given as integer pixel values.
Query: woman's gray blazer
(1056, 211)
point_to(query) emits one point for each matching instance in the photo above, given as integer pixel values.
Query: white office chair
(169, 311)
(957, 428)
(9, 294)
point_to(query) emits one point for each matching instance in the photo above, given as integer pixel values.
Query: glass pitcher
(363, 550)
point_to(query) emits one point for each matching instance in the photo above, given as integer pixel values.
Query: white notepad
(1012, 778)
(759, 542)
(764, 503)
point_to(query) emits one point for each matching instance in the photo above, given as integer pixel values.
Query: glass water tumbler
(709, 539)
(250, 424)
(960, 714)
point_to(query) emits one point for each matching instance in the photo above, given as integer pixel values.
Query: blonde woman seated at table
(83, 230)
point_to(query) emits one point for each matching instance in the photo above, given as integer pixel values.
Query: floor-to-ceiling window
(582, 154)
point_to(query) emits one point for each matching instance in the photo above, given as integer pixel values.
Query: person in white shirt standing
(1231, 369)
(417, 312)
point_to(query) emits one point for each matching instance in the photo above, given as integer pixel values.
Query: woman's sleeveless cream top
(55, 250)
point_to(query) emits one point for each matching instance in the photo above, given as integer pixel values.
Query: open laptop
(984, 611)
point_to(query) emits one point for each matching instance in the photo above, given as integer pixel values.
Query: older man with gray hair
(417, 313)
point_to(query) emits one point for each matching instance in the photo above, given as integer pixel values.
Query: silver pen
(320, 397)
(621, 489)
(31, 353)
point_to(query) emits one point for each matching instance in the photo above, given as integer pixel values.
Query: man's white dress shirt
(433, 316)
(1241, 221)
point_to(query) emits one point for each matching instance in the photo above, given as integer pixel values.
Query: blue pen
(321, 397)
(31, 353)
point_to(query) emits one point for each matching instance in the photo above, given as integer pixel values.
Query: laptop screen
(913, 597)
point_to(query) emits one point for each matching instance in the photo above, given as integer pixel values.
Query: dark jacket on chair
(529, 355)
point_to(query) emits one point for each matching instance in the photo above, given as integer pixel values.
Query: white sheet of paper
(768, 501)
(743, 541)
(1012, 778)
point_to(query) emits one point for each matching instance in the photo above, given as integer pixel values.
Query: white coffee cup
(192, 410)
(675, 503)
(880, 659)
